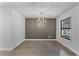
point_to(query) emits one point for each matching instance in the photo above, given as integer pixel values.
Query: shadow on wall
(37, 30)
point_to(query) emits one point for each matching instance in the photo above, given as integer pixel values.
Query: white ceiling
(49, 9)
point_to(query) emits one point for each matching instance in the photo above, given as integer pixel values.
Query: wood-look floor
(38, 48)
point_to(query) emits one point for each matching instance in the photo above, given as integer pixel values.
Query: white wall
(5, 28)
(72, 44)
(11, 28)
(18, 29)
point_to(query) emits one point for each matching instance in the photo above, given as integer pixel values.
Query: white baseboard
(5, 49)
(40, 39)
(10, 49)
(17, 45)
(69, 48)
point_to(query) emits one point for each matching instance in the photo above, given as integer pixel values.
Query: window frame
(66, 29)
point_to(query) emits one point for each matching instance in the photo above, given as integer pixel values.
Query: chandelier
(41, 21)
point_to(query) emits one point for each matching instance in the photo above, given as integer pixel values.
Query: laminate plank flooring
(38, 48)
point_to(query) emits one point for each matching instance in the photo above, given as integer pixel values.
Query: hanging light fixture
(41, 19)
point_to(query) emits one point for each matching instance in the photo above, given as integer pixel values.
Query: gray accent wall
(34, 31)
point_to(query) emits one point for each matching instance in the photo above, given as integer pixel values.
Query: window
(66, 28)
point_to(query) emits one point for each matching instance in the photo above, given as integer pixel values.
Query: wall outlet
(49, 36)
